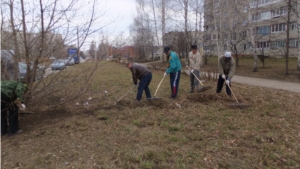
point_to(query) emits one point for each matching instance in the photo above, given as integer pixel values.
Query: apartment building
(245, 26)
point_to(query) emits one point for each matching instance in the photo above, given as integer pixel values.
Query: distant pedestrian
(226, 68)
(10, 92)
(174, 69)
(195, 61)
(142, 73)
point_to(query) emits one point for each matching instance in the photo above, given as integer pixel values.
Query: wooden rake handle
(126, 93)
(158, 86)
(196, 78)
(232, 93)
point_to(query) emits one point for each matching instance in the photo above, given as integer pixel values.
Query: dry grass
(193, 131)
(275, 68)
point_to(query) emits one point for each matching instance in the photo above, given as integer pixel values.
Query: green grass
(159, 134)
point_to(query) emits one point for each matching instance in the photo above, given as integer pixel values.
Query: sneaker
(18, 132)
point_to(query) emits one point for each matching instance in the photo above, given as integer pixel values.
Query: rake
(203, 88)
(154, 97)
(237, 104)
(125, 94)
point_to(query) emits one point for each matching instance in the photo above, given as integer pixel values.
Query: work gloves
(165, 74)
(23, 107)
(192, 71)
(228, 82)
(186, 66)
(223, 76)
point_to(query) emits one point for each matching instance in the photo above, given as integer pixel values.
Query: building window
(261, 16)
(262, 44)
(245, 22)
(293, 43)
(277, 44)
(234, 36)
(234, 23)
(217, 14)
(293, 26)
(263, 30)
(214, 37)
(206, 38)
(245, 9)
(225, 36)
(256, 3)
(214, 47)
(226, 25)
(279, 27)
(225, 47)
(216, 3)
(244, 34)
(218, 36)
(206, 28)
(294, 6)
(279, 12)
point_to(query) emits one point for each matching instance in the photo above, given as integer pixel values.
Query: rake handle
(158, 86)
(197, 78)
(232, 93)
(126, 93)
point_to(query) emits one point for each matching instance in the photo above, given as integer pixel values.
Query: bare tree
(41, 29)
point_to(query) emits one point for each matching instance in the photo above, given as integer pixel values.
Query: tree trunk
(155, 22)
(187, 39)
(16, 56)
(255, 67)
(288, 38)
(163, 23)
(298, 15)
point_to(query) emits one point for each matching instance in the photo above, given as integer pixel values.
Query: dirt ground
(195, 130)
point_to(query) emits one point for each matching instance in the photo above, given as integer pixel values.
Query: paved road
(49, 71)
(268, 83)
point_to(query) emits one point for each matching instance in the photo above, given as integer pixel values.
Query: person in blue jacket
(174, 70)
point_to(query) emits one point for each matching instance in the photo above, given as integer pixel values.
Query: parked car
(23, 70)
(58, 64)
(8, 68)
(70, 61)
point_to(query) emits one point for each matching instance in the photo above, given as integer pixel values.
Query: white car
(70, 61)
(58, 64)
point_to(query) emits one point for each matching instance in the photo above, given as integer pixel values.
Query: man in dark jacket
(10, 92)
(226, 68)
(142, 73)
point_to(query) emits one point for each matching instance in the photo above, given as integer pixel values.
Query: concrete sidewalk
(268, 83)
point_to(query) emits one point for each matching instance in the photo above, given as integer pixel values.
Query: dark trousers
(144, 85)
(220, 86)
(13, 123)
(174, 82)
(194, 81)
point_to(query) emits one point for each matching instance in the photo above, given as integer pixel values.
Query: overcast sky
(123, 12)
